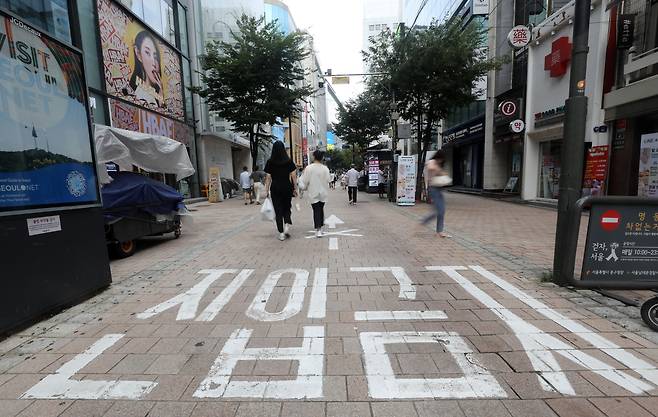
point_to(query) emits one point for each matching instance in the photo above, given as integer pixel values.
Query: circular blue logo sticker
(76, 184)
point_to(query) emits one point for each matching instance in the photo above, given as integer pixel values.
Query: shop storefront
(631, 108)
(549, 65)
(508, 145)
(465, 143)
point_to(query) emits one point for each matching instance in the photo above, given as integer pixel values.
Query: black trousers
(282, 209)
(351, 192)
(318, 214)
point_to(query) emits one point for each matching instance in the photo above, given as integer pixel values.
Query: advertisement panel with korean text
(46, 159)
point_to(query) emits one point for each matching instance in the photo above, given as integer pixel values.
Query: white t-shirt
(352, 178)
(245, 179)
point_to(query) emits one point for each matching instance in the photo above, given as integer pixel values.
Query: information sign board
(622, 243)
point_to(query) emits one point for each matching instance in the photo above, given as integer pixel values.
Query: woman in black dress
(281, 186)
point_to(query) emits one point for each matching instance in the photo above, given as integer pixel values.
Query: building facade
(548, 88)
(631, 98)
(380, 15)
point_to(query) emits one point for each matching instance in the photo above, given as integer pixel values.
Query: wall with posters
(138, 66)
(45, 153)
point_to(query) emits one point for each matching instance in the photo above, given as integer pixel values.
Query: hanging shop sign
(519, 37)
(406, 186)
(625, 31)
(596, 169)
(517, 126)
(648, 175)
(508, 108)
(138, 66)
(46, 157)
(557, 62)
(480, 7)
(126, 116)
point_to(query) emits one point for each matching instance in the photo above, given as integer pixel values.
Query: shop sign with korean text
(406, 186)
(596, 169)
(622, 243)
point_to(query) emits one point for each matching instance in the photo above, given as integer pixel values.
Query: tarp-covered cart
(134, 205)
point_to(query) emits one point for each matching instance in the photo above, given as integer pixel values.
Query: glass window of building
(187, 80)
(153, 15)
(88, 30)
(136, 6)
(182, 28)
(168, 25)
(549, 169)
(51, 16)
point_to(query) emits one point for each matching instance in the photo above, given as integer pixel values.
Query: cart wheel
(649, 313)
(125, 249)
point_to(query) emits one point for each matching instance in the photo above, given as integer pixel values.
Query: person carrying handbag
(438, 179)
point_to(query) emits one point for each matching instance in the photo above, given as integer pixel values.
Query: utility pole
(292, 157)
(573, 149)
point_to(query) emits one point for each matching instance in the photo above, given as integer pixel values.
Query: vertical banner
(648, 175)
(214, 185)
(406, 195)
(596, 169)
(373, 171)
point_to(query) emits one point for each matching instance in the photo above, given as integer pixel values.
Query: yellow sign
(214, 185)
(340, 80)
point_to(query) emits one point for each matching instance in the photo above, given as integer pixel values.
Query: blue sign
(46, 157)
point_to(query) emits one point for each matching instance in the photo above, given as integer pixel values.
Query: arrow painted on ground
(332, 221)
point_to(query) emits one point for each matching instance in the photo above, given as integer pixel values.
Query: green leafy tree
(429, 71)
(255, 78)
(362, 121)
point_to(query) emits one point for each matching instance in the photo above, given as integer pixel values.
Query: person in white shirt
(352, 184)
(245, 183)
(315, 180)
(381, 185)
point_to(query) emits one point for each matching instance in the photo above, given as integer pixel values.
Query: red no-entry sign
(610, 220)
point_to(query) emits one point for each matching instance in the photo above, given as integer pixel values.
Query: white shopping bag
(267, 210)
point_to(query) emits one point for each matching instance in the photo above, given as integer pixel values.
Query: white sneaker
(282, 236)
(286, 230)
(318, 233)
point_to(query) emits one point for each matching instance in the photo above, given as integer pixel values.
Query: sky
(337, 30)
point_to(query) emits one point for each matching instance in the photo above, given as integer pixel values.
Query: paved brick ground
(487, 350)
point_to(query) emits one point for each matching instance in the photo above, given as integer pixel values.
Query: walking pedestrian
(315, 180)
(258, 179)
(332, 180)
(437, 179)
(352, 184)
(343, 181)
(281, 186)
(245, 183)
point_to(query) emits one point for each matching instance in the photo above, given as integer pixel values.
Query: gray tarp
(149, 152)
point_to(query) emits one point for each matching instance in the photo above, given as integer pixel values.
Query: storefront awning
(148, 152)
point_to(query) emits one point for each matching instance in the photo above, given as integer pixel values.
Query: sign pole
(573, 149)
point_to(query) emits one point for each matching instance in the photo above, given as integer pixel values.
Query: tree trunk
(427, 139)
(421, 166)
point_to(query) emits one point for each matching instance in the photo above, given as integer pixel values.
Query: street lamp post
(392, 197)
